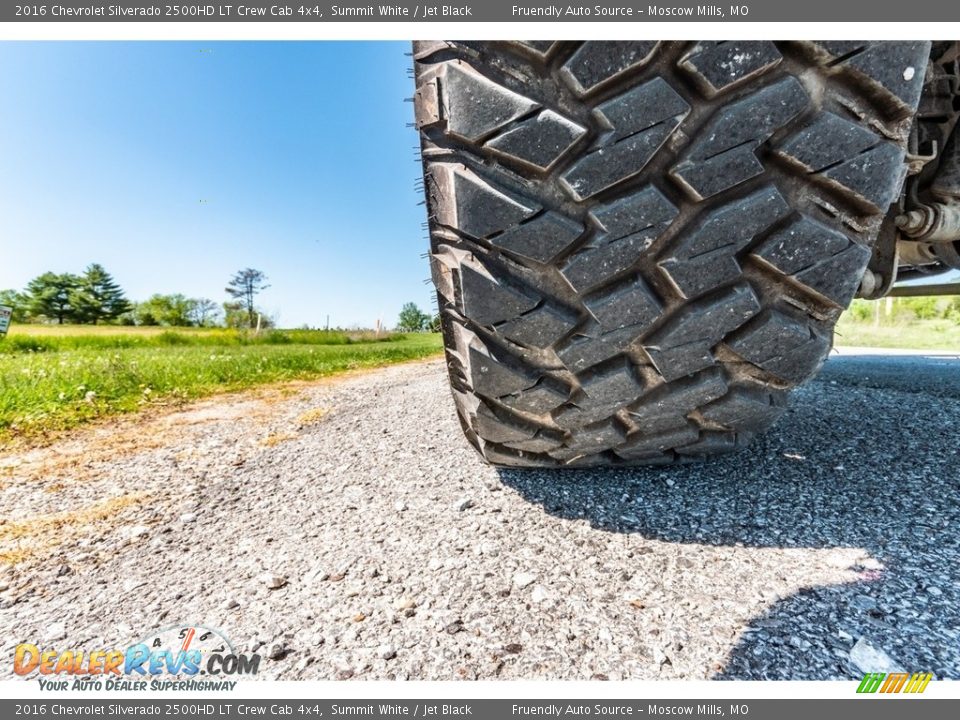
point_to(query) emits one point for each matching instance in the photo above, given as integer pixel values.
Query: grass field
(56, 379)
(52, 338)
(916, 334)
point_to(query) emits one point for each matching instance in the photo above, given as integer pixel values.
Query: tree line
(93, 297)
(413, 319)
(907, 309)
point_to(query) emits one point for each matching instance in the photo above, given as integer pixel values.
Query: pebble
(869, 658)
(55, 631)
(863, 602)
(404, 602)
(464, 504)
(523, 579)
(387, 652)
(188, 517)
(273, 581)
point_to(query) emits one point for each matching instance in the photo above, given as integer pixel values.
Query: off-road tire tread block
(639, 248)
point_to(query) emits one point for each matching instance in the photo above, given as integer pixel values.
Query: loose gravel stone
(405, 603)
(749, 566)
(273, 581)
(523, 579)
(869, 658)
(55, 631)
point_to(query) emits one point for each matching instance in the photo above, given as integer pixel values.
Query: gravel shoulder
(400, 555)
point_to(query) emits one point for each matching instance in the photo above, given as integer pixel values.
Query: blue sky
(175, 164)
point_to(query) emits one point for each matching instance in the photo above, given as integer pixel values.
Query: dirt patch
(77, 453)
(42, 533)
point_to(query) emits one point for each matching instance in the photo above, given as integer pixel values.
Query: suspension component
(938, 221)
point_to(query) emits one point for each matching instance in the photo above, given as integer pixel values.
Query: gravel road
(345, 529)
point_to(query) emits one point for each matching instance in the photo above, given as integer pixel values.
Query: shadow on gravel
(852, 464)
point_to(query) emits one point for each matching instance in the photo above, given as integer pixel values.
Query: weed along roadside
(53, 381)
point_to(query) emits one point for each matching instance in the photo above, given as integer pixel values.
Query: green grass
(56, 338)
(916, 334)
(76, 378)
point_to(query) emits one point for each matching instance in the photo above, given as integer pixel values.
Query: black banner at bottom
(874, 707)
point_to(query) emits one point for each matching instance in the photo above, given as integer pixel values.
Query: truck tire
(639, 248)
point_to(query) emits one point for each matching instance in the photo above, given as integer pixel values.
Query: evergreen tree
(97, 296)
(49, 296)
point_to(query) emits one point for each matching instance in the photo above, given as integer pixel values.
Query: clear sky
(175, 164)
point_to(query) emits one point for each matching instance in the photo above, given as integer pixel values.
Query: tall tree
(49, 296)
(244, 287)
(98, 296)
(203, 311)
(165, 310)
(412, 318)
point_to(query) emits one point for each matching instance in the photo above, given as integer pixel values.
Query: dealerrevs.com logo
(174, 658)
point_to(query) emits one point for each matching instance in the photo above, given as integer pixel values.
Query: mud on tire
(639, 248)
